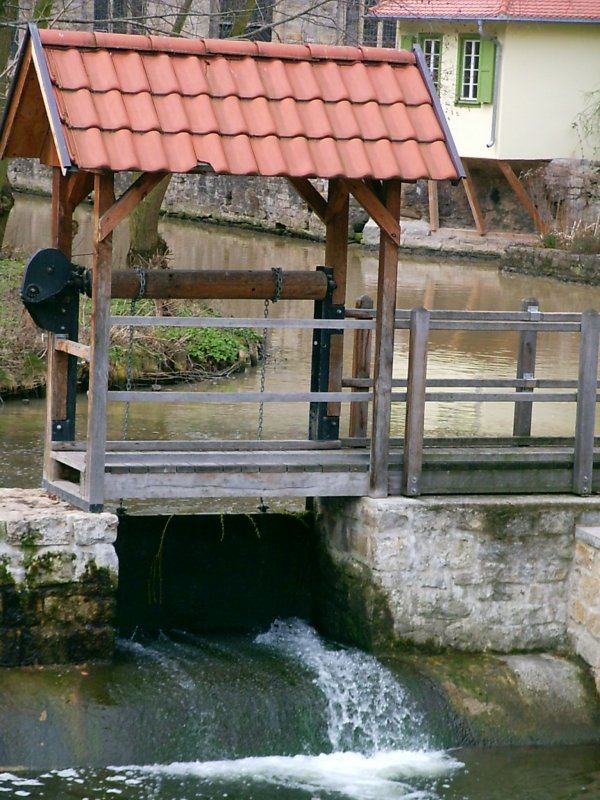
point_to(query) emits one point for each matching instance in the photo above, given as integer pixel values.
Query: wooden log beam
(361, 368)
(219, 284)
(585, 421)
(117, 211)
(336, 256)
(415, 402)
(473, 201)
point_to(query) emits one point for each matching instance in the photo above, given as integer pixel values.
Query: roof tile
(229, 116)
(172, 116)
(78, 109)
(141, 112)
(269, 158)
(101, 73)
(164, 105)
(314, 119)
(131, 72)
(258, 117)
(191, 75)
(160, 73)
(201, 114)
(67, 69)
(531, 10)
(209, 150)
(344, 122)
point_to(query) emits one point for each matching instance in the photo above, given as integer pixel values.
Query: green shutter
(406, 41)
(487, 59)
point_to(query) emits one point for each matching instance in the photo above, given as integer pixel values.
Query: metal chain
(129, 367)
(278, 275)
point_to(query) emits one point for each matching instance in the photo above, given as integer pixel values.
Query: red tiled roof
(534, 10)
(124, 102)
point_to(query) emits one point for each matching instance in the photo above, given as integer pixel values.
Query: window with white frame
(432, 52)
(475, 74)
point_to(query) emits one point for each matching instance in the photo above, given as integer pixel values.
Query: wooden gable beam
(374, 208)
(311, 196)
(120, 209)
(15, 101)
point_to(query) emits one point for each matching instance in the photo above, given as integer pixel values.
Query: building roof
(503, 10)
(124, 102)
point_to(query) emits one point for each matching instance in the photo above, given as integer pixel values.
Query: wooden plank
(415, 402)
(117, 211)
(384, 346)
(315, 201)
(201, 445)
(499, 397)
(80, 184)
(434, 206)
(473, 201)
(586, 404)
(93, 484)
(336, 257)
(57, 379)
(361, 370)
(468, 325)
(244, 484)
(241, 322)
(236, 397)
(81, 351)
(480, 383)
(26, 75)
(526, 356)
(521, 193)
(380, 213)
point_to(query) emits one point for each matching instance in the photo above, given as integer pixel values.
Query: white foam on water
(383, 776)
(367, 709)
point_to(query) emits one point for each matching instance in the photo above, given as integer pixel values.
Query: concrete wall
(58, 580)
(584, 600)
(472, 574)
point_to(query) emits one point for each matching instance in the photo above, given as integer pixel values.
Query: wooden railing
(523, 391)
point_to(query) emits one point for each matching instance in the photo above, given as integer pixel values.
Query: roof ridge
(53, 37)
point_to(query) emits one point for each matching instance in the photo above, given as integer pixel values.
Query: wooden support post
(526, 369)
(523, 197)
(93, 488)
(473, 201)
(434, 206)
(415, 402)
(336, 257)
(384, 347)
(322, 424)
(62, 369)
(586, 403)
(361, 368)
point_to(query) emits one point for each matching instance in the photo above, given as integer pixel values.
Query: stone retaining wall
(471, 574)
(58, 580)
(550, 263)
(584, 606)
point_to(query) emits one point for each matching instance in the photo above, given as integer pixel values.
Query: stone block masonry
(58, 581)
(584, 606)
(471, 574)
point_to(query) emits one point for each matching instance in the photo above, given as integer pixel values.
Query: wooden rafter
(374, 208)
(80, 184)
(525, 200)
(311, 196)
(120, 209)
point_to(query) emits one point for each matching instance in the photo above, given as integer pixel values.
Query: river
(283, 715)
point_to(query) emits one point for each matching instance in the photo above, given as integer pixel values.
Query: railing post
(321, 425)
(526, 369)
(361, 368)
(586, 403)
(415, 402)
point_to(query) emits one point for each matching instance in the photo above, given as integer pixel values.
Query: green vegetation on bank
(157, 355)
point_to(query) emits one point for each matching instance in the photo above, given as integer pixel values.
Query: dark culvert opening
(213, 573)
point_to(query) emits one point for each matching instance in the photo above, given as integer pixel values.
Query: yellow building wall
(547, 75)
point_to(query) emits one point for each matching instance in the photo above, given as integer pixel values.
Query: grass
(158, 355)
